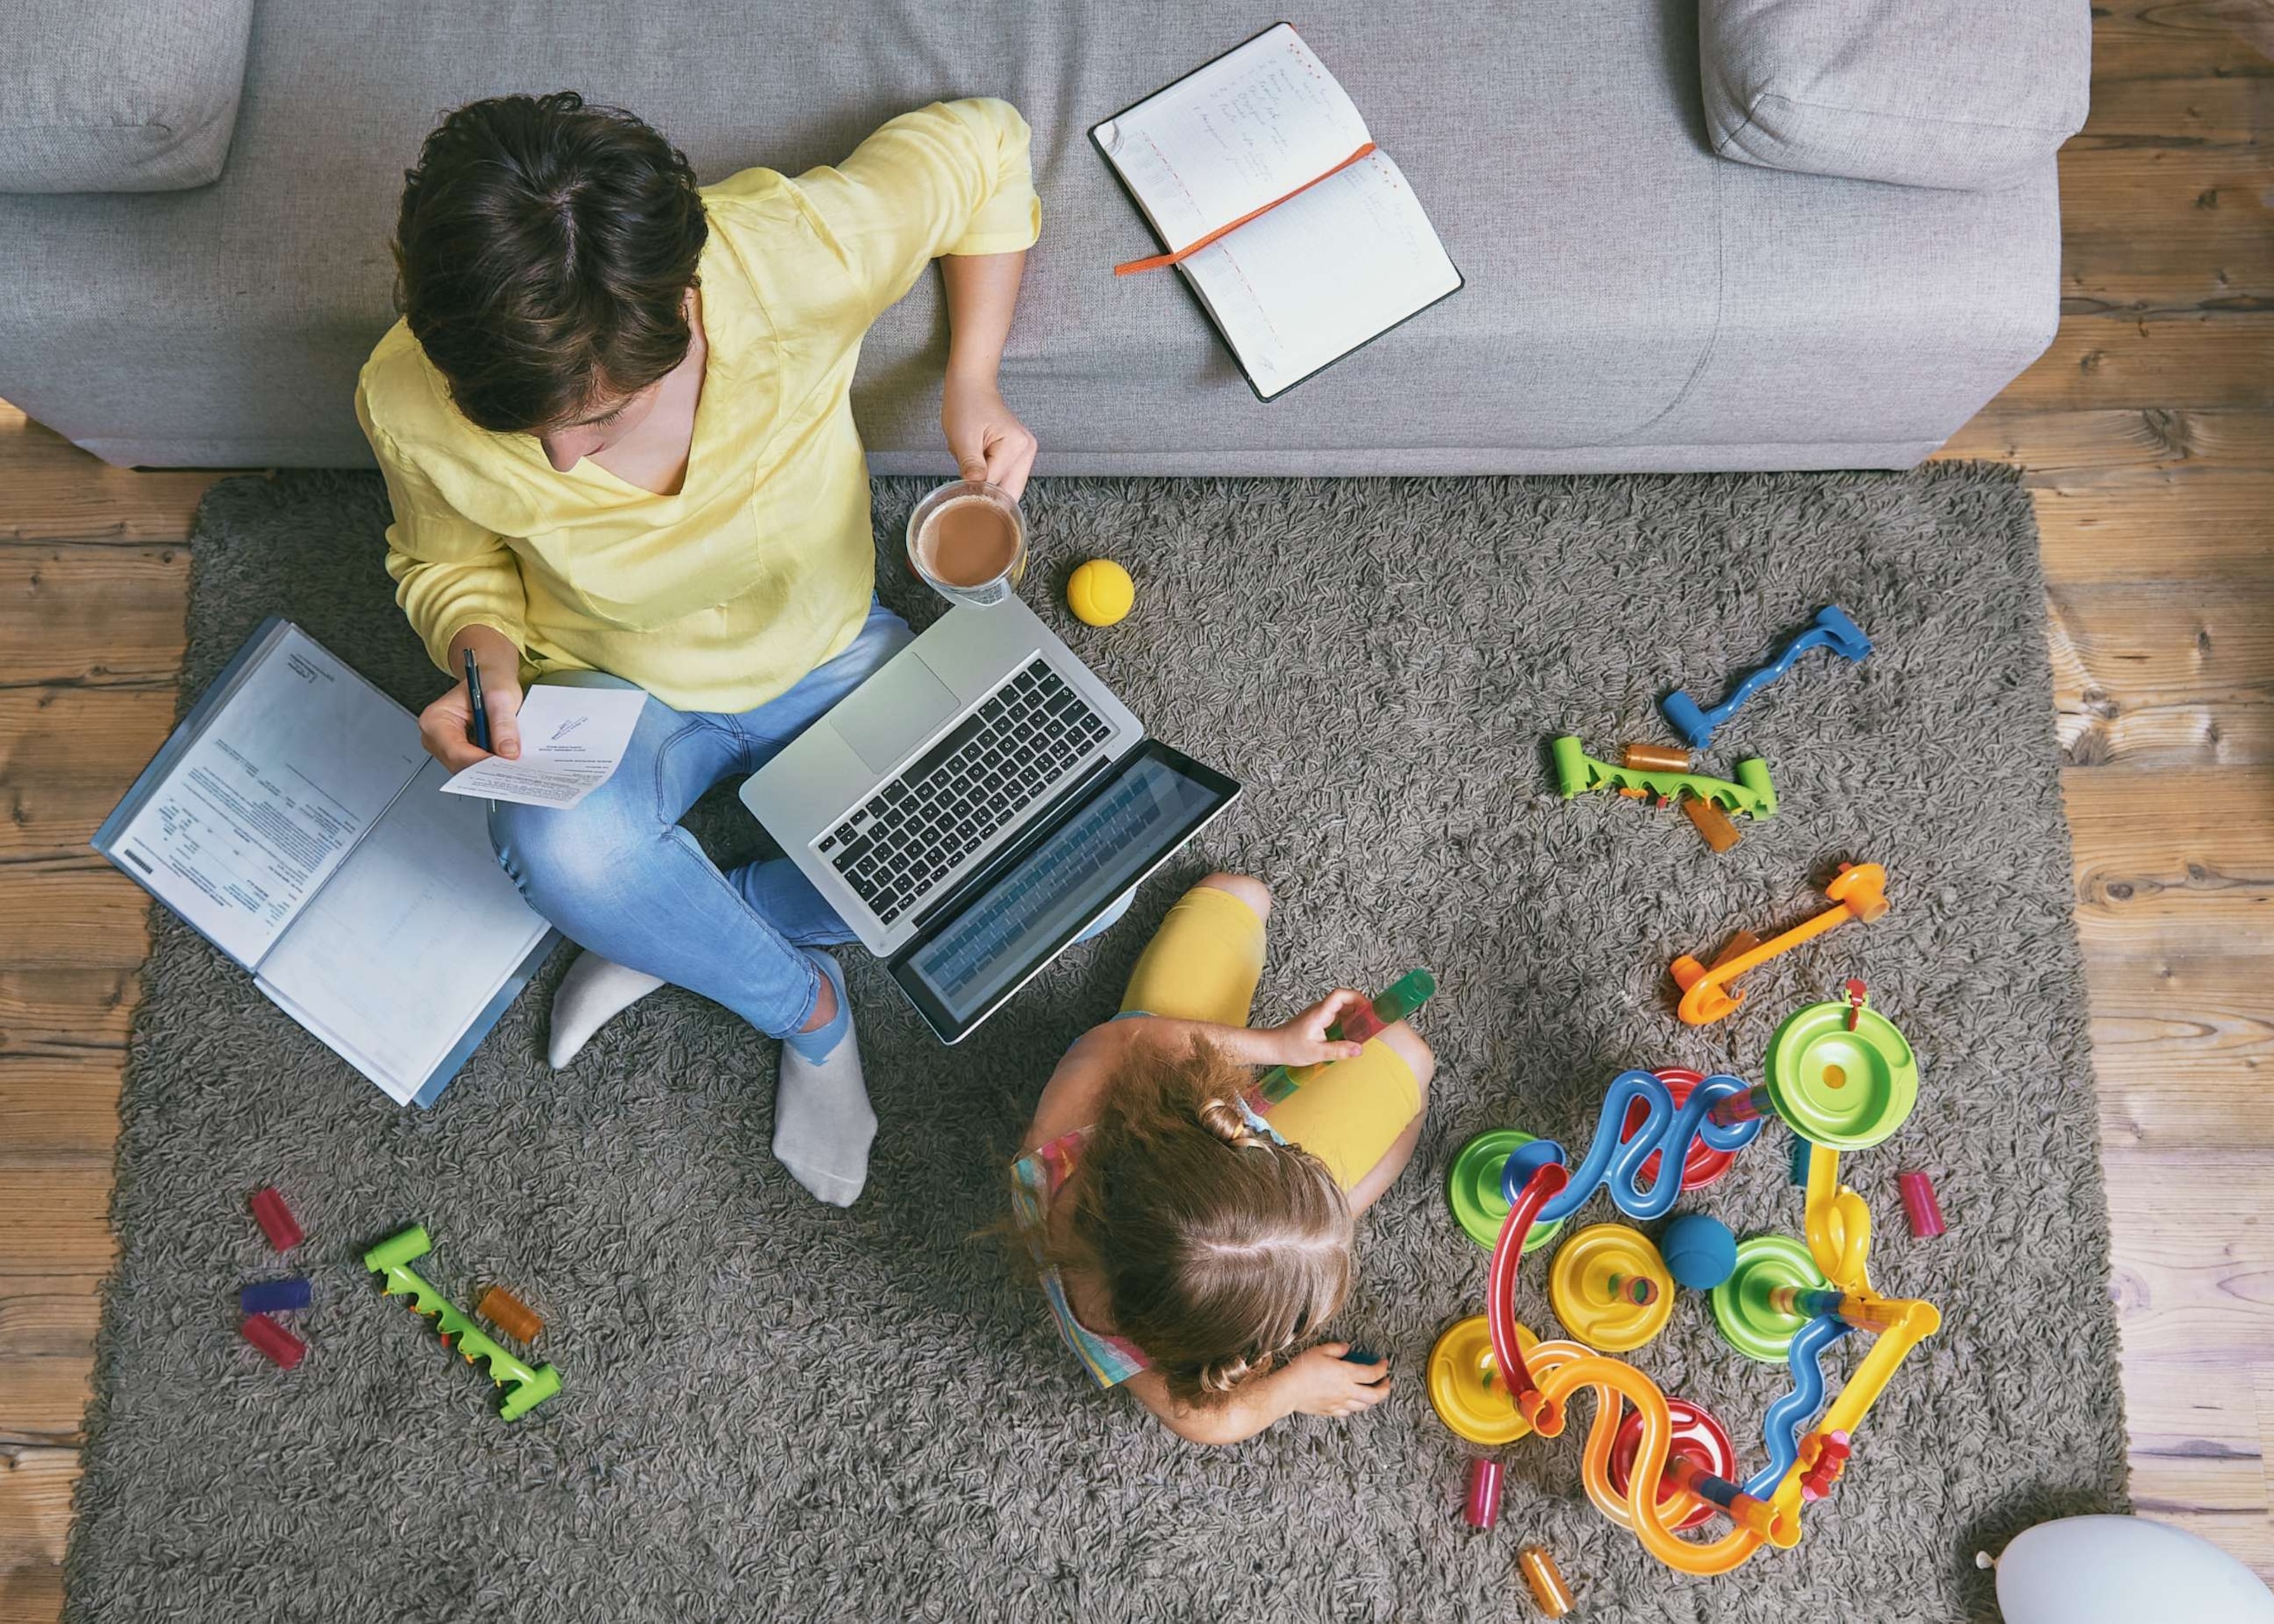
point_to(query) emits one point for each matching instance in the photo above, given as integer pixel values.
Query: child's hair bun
(1223, 1375)
(1224, 1119)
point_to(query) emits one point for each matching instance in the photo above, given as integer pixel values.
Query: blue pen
(481, 717)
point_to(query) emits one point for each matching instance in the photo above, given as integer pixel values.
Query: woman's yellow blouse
(759, 569)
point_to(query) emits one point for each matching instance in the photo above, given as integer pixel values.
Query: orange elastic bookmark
(1189, 249)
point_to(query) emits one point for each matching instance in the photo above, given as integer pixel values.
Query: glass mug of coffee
(968, 542)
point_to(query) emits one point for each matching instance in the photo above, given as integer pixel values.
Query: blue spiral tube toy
(1785, 1420)
(1664, 1131)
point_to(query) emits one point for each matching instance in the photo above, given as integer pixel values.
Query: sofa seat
(1633, 301)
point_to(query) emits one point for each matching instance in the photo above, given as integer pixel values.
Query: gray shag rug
(775, 1410)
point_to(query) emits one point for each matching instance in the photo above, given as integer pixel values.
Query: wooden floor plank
(35, 1488)
(57, 492)
(66, 756)
(76, 913)
(2225, 114)
(2184, 1051)
(54, 1106)
(48, 1315)
(73, 614)
(2163, 675)
(2171, 451)
(2176, 863)
(31, 1595)
(55, 1220)
(48, 1010)
(47, 1395)
(2194, 1256)
(2203, 361)
(2170, 229)
(2179, 39)
(2155, 528)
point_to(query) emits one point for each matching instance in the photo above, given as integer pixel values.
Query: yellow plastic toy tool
(1859, 890)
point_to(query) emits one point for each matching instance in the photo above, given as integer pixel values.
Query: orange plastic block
(1654, 758)
(509, 1314)
(1712, 822)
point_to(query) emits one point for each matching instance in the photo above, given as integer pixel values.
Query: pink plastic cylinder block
(1919, 1205)
(273, 1340)
(275, 1219)
(1483, 1509)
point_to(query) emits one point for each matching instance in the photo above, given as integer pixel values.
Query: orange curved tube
(1563, 1369)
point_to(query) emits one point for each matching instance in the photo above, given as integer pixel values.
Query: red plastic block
(275, 1219)
(273, 1340)
(1919, 1205)
(1483, 1508)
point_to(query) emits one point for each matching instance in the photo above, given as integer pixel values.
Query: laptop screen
(1153, 801)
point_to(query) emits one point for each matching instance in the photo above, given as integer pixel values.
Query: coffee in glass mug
(968, 542)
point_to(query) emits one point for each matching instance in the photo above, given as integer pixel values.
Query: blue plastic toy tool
(1831, 629)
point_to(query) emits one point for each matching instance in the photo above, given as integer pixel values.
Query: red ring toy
(1704, 1164)
(1696, 1434)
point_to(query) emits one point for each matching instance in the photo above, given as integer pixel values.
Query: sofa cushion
(1952, 93)
(118, 95)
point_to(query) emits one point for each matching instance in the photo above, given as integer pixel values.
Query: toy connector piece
(275, 1219)
(1831, 629)
(282, 1347)
(509, 1314)
(525, 1387)
(1577, 772)
(276, 1296)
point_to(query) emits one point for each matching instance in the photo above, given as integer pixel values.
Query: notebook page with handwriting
(1251, 126)
(1288, 308)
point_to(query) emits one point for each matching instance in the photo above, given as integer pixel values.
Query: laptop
(976, 805)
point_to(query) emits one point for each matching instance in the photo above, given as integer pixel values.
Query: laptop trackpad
(894, 711)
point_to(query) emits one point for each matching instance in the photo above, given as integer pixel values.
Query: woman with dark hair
(615, 426)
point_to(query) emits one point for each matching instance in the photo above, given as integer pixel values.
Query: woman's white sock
(823, 1123)
(594, 992)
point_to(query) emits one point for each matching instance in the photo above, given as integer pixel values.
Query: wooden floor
(2148, 435)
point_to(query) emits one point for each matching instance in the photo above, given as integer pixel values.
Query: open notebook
(294, 821)
(1331, 249)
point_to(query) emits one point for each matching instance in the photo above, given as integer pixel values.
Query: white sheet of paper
(254, 818)
(572, 740)
(394, 959)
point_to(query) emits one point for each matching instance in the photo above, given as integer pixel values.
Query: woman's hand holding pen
(447, 726)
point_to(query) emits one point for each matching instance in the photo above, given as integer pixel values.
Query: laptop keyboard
(920, 826)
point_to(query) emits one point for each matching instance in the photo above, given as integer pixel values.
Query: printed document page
(260, 809)
(1290, 303)
(572, 740)
(400, 954)
(1251, 126)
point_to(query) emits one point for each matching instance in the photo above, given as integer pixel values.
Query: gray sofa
(1654, 281)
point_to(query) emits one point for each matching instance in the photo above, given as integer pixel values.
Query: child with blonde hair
(1188, 1245)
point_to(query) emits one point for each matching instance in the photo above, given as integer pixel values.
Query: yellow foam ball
(1101, 592)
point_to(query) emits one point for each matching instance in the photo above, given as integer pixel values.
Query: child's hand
(1303, 1041)
(1321, 1382)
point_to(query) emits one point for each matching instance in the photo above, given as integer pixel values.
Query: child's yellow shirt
(722, 594)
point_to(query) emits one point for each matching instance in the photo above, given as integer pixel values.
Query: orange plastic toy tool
(1860, 891)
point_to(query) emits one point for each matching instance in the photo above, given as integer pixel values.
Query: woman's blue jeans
(619, 876)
